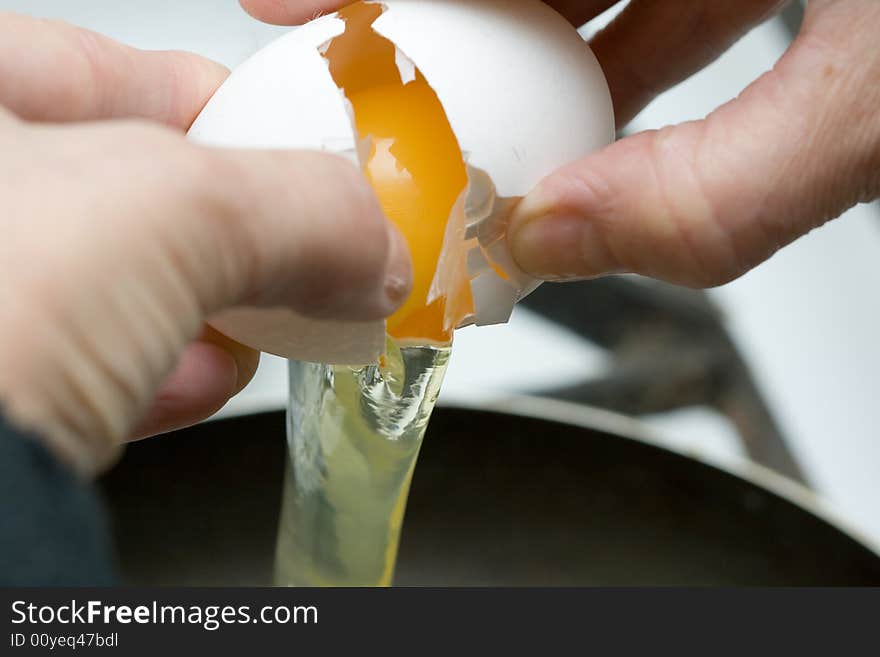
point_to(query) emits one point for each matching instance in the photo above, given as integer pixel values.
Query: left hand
(54, 73)
(120, 238)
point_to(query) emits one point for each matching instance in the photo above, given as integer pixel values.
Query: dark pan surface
(496, 500)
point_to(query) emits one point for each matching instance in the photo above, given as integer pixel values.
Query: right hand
(702, 202)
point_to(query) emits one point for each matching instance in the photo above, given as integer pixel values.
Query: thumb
(701, 203)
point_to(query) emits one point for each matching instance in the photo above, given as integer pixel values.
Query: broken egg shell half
(522, 92)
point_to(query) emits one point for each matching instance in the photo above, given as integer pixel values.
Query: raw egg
(454, 110)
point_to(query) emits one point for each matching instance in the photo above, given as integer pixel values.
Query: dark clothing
(53, 529)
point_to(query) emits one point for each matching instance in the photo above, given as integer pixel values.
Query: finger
(290, 12)
(200, 384)
(246, 359)
(51, 71)
(700, 203)
(159, 249)
(296, 229)
(652, 46)
(203, 381)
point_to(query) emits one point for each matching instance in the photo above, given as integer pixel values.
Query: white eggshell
(283, 332)
(284, 97)
(522, 91)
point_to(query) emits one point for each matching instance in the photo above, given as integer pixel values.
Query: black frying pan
(497, 499)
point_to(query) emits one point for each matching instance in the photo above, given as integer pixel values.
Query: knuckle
(690, 234)
(208, 199)
(586, 187)
(210, 181)
(217, 188)
(89, 58)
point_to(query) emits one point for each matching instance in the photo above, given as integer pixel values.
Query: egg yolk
(415, 166)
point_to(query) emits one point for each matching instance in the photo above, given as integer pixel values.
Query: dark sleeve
(53, 529)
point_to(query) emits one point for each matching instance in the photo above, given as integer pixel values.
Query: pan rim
(629, 428)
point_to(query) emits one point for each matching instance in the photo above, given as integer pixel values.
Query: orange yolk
(415, 166)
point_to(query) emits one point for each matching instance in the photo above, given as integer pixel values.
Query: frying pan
(528, 493)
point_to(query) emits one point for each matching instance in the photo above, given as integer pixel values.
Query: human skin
(699, 204)
(120, 239)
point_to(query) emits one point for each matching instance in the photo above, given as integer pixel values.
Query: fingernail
(399, 275)
(553, 244)
(554, 247)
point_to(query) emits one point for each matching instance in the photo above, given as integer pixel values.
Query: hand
(703, 202)
(119, 238)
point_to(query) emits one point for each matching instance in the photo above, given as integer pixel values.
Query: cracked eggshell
(524, 95)
(284, 97)
(522, 91)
